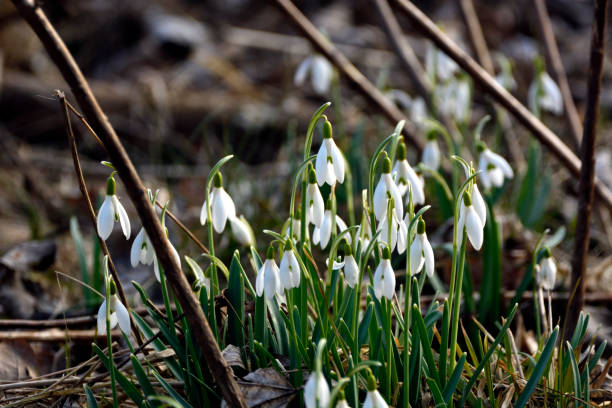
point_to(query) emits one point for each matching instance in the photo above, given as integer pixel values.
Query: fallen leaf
(266, 388)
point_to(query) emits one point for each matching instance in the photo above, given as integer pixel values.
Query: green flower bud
(421, 226)
(347, 249)
(270, 252)
(401, 151)
(481, 146)
(113, 287)
(110, 186)
(386, 164)
(312, 175)
(386, 253)
(467, 199)
(218, 180)
(327, 129)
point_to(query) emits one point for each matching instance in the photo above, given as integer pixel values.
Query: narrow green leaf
(91, 400)
(454, 379)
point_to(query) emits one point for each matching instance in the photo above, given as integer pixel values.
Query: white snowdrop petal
(203, 214)
(351, 271)
(228, 203)
(102, 318)
(156, 267)
(374, 400)
(219, 216)
(416, 256)
(402, 236)
(479, 204)
(106, 218)
(316, 391)
(431, 155)
(259, 281)
(388, 279)
(418, 195)
(325, 231)
(302, 71)
(496, 176)
(330, 173)
(500, 162)
(136, 250)
(316, 235)
(123, 316)
(124, 221)
(474, 227)
(321, 75)
(294, 267)
(321, 164)
(338, 159)
(378, 284)
(380, 199)
(316, 205)
(240, 231)
(429, 257)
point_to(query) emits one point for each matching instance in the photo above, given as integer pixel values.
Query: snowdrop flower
(386, 189)
(388, 232)
(315, 207)
(321, 72)
(544, 94)
(505, 78)
(118, 313)
(373, 398)
(110, 212)
(351, 269)
(363, 232)
(268, 280)
(471, 221)
(406, 177)
(418, 111)
(384, 277)
(400, 98)
(316, 391)
(175, 255)
(321, 236)
(221, 205)
(421, 252)
(453, 98)
(547, 271)
(342, 400)
(439, 64)
(494, 167)
(330, 161)
(289, 269)
(431, 152)
(142, 249)
(242, 231)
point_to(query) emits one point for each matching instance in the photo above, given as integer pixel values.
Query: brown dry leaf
(508, 394)
(231, 354)
(18, 361)
(266, 388)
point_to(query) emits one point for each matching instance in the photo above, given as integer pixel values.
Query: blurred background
(185, 83)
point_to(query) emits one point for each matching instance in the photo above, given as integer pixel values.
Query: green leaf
(143, 380)
(75, 231)
(575, 371)
(421, 331)
(126, 385)
(435, 392)
(538, 371)
(173, 393)
(235, 297)
(454, 379)
(91, 400)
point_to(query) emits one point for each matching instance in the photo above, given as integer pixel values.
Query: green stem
(456, 312)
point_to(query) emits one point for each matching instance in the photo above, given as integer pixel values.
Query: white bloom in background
(421, 252)
(242, 231)
(431, 152)
(315, 207)
(142, 249)
(439, 63)
(289, 269)
(221, 205)
(418, 111)
(453, 98)
(316, 391)
(385, 190)
(268, 280)
(118, 314)
(326, 229)
(329, 163)
(156, 265)
(363, 232)
(384, 277)
(471, 221)
(547, 272)
(545, 94)
(351, 269)
(321, 72)
(110, 212)
(406, 177)
(400, 98)
(505, 78)
(494, 168)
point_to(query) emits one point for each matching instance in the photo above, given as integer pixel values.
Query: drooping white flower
(388, 232)
(494, 168)
(545, 94)
(242, 231)
(198, 279)
(221, 206)
(321, 72)
(421, 252)
(406, 177)
(418, 111)
(373, 398)
(142, 249)
(471, 221)
(326, 228)
(454, 98)
(268, 280)
(342, 404)
(386, 189)
(329, 163)
(110, 212)
(438, 63)
(505, 78)
(351, 269)
(547, 271)
(289, 270)
(315, 207)
(118, 314)
(402, 236)
(316, 391)
(384, 277)
(431, 153)
(175, 255)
